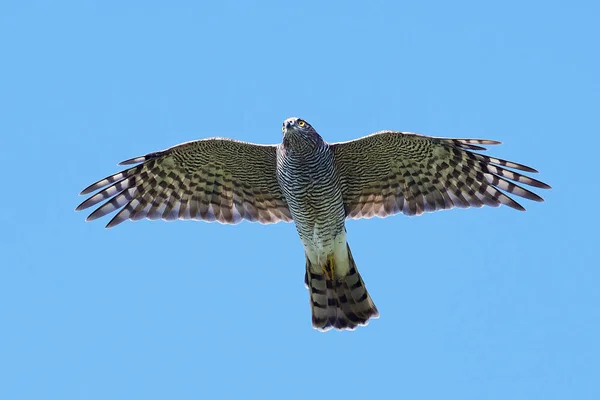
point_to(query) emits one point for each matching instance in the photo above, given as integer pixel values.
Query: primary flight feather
(318, 185)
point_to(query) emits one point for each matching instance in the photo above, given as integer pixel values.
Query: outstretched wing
(391, 172)
(211, 179)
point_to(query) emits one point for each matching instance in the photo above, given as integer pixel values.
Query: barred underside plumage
(306, 180)
(212, 179)
(309, 180)
(318, 186)
(391, 172)
(342, 303)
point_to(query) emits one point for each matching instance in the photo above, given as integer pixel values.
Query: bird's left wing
(211, 179)
(392, 172)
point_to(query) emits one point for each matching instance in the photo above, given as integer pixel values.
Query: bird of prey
(317, 185)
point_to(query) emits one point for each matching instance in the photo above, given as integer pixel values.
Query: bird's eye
(301, 123)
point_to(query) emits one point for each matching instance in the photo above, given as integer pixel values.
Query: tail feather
(342, 303)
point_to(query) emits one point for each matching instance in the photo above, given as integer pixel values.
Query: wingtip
(516, 205)
(141, 159)
(93, 216)
(87, 190)
(134, 160)
(116, 220)
(537, 198)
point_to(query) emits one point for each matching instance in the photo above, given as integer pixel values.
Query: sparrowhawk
(318, 185)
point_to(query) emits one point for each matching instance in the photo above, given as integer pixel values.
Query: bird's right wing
(392, 172)
(211, 179)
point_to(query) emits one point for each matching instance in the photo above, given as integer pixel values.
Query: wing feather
(398, 172)
(211, 179)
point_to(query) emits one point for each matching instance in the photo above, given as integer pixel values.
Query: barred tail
(342, 303)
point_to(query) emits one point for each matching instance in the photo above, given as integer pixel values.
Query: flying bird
(317, 185)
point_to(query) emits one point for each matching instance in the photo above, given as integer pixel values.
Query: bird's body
(318, 186)
(309, 181)
(311, 187)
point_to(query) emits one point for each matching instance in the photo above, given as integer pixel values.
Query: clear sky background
(475, 304)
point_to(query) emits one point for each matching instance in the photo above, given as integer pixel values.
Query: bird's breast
(311, 187)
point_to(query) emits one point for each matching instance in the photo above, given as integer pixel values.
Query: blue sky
(475, 304)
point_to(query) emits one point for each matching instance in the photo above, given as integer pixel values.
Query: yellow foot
(328, 268)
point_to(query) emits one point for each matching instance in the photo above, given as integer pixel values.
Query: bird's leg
(329, 269)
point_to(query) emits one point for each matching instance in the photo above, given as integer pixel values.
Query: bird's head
(296, 129)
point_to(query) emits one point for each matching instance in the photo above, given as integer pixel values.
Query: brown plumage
(318, 186)
(212, 179)
(391, 172)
